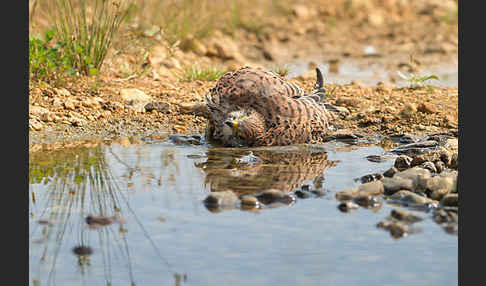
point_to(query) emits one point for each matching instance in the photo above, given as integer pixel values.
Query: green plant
(195, 72)
(416, 81)
(85, 29)
(46, 61)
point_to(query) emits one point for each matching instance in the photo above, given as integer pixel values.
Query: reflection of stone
(283, 169)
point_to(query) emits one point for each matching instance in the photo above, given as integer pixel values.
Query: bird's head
(244, 127)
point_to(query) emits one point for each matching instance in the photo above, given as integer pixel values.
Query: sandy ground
(407, 36)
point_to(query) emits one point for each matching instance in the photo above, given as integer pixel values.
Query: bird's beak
(232, 123)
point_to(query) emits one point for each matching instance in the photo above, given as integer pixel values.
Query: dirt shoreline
(408, 37)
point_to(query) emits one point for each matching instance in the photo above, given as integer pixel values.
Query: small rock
(439, 166)
(371, 188)
(438, 194)
(196, 108)
(371, 177)
(429, 166)
(161, 107)
(302, 194)
(450, 200)
(403, 162)
(418, 160)
(347, 206)
(397, 229)
(272, 195)
(250, 201)
(69, 104)
(395, 184)
(405, 216)
(408, 110)
(454, 161)
(348, 101)
(134, 95)
(345, 195)
(302, 12)
(390, 172)
(35, 125)
(445, 181)
(428, 108)
(82, 250)
(408, 198)
(366, 200)
(442, 216)
(220, 199)
(409, 138)
(37, 110)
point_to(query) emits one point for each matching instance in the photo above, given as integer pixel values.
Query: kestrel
(254, 107)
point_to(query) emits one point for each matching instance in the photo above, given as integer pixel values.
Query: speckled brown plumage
(253, 107)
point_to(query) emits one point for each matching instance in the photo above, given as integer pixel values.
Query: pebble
(428, 108)
(371, 188)
(250, 201)
(83, 250)
(442, 216)
(390, 172)
(438, 194)
(302, 194)
(444, 181)
(273, 195)
(419, 177)
(98, 221)
(134, 95)
(161, 107)
(403, 162)
(439, 166)
(405, 216)
(450, 200)
(347, 206)
(220, 199)
(429, 166)
(408, 198)
(367, 200)
(397, 229)
(371, 177)
(395, 184)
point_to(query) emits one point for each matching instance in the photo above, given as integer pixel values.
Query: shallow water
(171, 238)
(370, 73)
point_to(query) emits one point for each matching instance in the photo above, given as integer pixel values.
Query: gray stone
(250, 201)
(37, 110)
(439, 166)
(347, 206)
(273, 195)
(371, 188)
(451, 200)
(161, 107)
(446, 182)
(403, 162)
(405, 216)
(134, 95)
(390, 172)
(419, 177)
(393, 185)
(220, 199)
(366, 200)
(429, 166)
(408, 198)
(438, 194)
